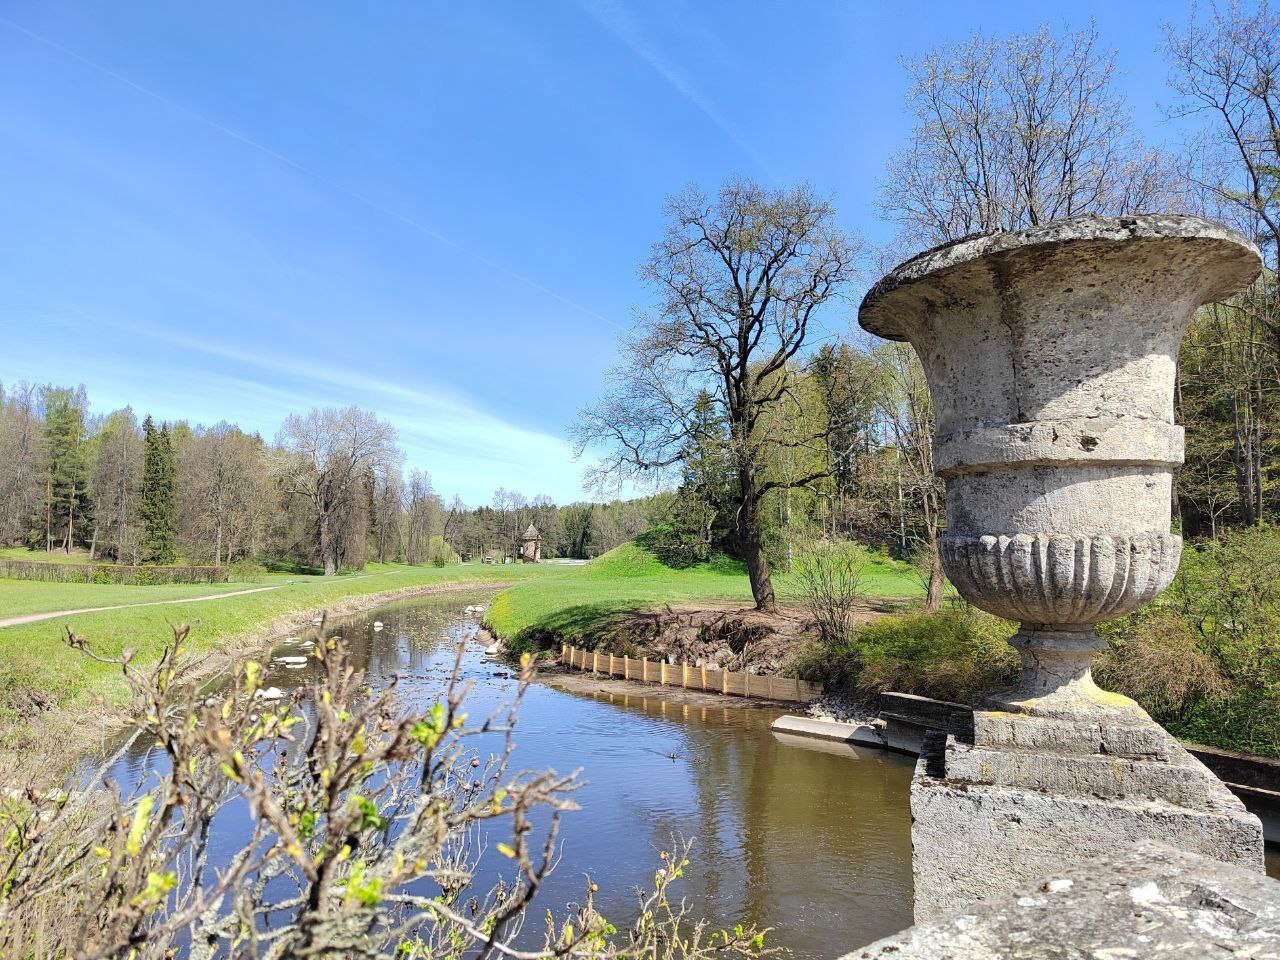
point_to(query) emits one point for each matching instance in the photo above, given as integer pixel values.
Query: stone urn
(1050, 355)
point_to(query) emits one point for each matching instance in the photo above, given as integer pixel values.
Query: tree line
(330, 491)
(772, 435)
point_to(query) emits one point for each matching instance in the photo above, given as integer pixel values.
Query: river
(809, 838)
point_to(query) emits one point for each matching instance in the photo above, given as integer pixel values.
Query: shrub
(439, 553)
(1205, 659)
(829, 574)
(1161, 662)
(954, 654)
(247, 571)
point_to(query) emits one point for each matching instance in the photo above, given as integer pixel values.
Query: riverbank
(629, 602)
(56, 704)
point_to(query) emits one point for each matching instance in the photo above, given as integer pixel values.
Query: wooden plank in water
(707, 679)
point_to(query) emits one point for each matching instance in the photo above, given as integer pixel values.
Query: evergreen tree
(66, 466)
(699, 519)
(158, 510)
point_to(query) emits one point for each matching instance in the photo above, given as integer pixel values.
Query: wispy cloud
(444, 426)
(614, 17)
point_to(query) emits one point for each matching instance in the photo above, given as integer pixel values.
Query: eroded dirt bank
(725, 635)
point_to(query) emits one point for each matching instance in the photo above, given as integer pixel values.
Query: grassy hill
(631, 578)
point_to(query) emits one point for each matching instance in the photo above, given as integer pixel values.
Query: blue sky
(433, 210)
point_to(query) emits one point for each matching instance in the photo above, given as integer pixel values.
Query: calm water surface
(809, 838)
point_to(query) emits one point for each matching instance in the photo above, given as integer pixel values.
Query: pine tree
(66, 466)
(158, 509)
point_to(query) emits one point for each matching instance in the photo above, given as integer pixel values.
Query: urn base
(1057, 679)
(1009, 797)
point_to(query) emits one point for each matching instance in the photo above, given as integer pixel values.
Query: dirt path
(50, 615)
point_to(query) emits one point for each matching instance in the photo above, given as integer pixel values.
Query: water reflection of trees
(776, 825)
(775, 821)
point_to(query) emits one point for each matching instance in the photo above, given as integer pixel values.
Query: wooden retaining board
(707, 679)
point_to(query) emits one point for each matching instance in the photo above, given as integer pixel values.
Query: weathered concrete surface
(1148, 900)
(1009, 804)
(863, 734)
(1051, 356)
(975, 842)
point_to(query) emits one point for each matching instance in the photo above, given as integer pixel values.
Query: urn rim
(896, 296)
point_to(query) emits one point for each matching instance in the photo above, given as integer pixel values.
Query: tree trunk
(751, 543)
(327, 552)
(933, 600)
(71, 520)
(937, 580)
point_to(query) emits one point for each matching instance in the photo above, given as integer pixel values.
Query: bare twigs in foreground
(358, 830)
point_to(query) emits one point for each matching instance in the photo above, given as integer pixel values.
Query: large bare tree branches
(1014, 132)
(737, 280)
(1226, 71)
(328, 453)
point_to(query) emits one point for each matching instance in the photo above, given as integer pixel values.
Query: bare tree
(1010, 133)
(738, 278)
(327, 454)
(225, 495)
(423, 520)
(21, 457)
(1226, 71)
(454, 526)
(388, 510)
(907, 413)
(115, 486)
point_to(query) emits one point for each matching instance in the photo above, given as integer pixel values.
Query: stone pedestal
(1144, 901)
(1050, 355)
(1016, 797)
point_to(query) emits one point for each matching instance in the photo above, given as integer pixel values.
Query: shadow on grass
(582, 624)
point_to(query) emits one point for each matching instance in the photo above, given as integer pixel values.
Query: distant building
(531, 546)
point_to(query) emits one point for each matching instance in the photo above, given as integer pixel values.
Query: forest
(329, 491)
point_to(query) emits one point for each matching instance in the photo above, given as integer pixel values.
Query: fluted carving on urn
(1060, 579)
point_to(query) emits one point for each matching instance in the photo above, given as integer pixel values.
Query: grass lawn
(78, 555)
(33, 596)
(632, 578)
(39, 672)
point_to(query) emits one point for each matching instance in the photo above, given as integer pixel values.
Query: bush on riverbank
(954, 654)
(1204, 660)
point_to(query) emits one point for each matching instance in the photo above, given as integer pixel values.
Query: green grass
(77, 555)
(631, 578)
(34, 596)
(40, 670)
